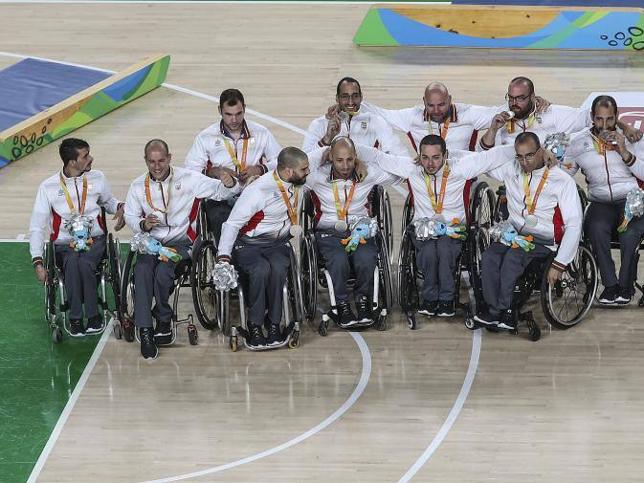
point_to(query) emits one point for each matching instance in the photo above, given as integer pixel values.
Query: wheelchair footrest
(287, 333)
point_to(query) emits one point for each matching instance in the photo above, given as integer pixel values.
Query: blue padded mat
(31, 86)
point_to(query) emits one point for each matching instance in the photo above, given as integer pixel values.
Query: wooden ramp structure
(43, 101)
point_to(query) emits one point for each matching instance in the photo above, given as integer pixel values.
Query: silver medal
(341, 226)
(296, 230)
(531, 220)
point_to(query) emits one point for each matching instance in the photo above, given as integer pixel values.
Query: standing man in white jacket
(523, 115)
(612, 167)
(75, 191)
(542, 201)
(346, 118)
(243, 149)
(164, 203)
(457, 123)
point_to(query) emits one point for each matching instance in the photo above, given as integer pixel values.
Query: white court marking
(357, 392)
(454, 412)
(71, 402)
(451, 418)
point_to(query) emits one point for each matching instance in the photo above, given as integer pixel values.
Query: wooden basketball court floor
(438, 404)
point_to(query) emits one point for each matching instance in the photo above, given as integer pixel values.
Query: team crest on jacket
(177, 185)
(363, 125)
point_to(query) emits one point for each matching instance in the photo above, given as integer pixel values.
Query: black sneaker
(149, 348)
(486, 318)
(257, 338)
(274, 335)
(508, 321)
(428, 308)
(76, 328)
(95, 324)
(609, 295)
(446, 308)
(363, 307)
(624, 296)
(346, 317)
(164, 329)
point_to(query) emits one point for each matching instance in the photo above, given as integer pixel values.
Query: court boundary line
(454, 412)
(457, 405)
(337, 414)
(71, 402)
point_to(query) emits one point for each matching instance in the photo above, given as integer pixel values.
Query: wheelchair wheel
(307, 213)
(381, 207)
(568, 302)
(223, 312)
(204, 295)
(385, 208)
(386, 290)
(50, 285)
(127, 297)
(483, 205)
(295, 293)
(477, 243)
(407, 288)
(55, 306)
(309, 271)
(407, 214)
(114, 268)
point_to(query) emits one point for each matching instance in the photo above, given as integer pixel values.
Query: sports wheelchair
(479, 203)
(314, 273)
(615, 245)
(108, 272)
(564, 305)
(128, 289)
(212, 306)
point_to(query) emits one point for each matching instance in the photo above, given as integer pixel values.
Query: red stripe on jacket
(252, 223)
(55, 226)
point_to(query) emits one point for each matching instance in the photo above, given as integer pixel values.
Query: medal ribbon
(531, 204)
(438, 206)
(600, 146)
(68, 197)
(342, 211)
(148, 195)
(239, 164)
(291, 209)
(527, 124)
(444, 128)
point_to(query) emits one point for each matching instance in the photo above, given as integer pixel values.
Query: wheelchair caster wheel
(128, 330)
(118, 331)
(534, 332)
(232, 343)
(514, 331)
(411, 321)
(193, 335)
(57, 335)
(470, 324)
(323, 329)
(294, 342)
(381, 323)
